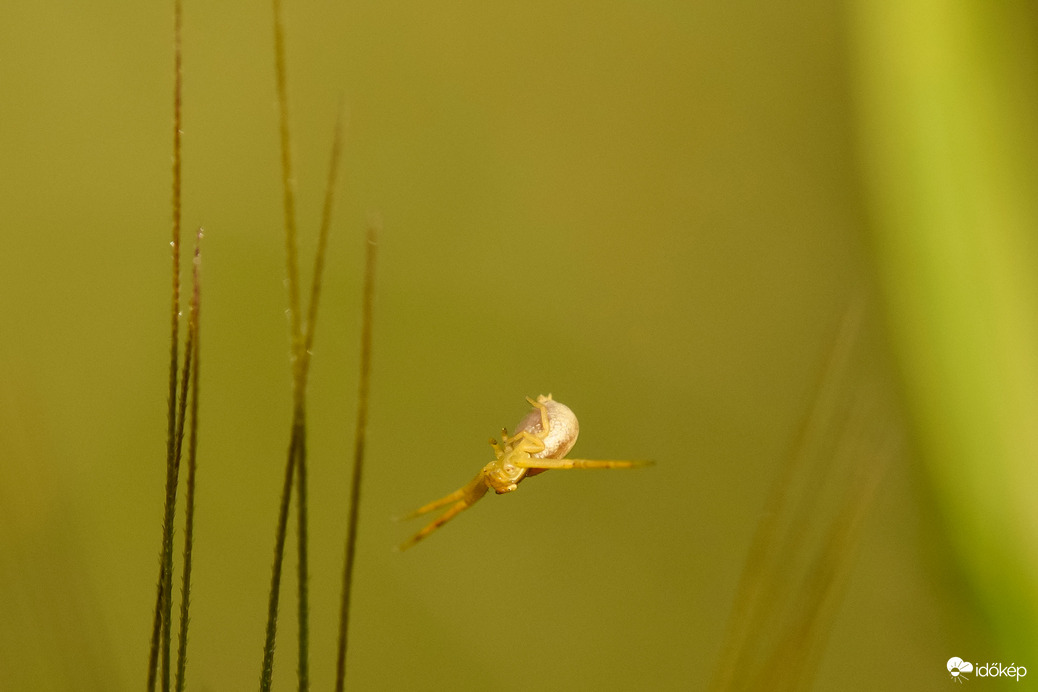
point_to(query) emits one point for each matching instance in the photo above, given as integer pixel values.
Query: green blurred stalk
(947, 105)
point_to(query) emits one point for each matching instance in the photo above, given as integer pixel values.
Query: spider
(543, 438)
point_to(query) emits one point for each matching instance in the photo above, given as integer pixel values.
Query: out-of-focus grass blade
(948, 99)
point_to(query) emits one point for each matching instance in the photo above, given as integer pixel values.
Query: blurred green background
(658, 212)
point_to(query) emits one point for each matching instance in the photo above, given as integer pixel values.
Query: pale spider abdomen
(563, 428)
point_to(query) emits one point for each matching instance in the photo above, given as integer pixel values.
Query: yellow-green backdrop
(657, 211)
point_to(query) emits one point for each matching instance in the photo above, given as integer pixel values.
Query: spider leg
(539, 405)
(581, 463)
(456, 496)
(498, 449)
(470, 492)
(531, 444)
(463, 498)
(437, 523)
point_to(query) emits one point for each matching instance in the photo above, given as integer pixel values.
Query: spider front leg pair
(460, 499)
(542, 440)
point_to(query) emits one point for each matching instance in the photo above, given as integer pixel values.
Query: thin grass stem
(360, 440)
(760, 561)
(192, 456)
(279, 554)
(303, 668)
(322, 239)
(165, 557)
(303, 371)
(171, 498)
(296, 452)
(156, 628)
(302, 341)
(288, 193)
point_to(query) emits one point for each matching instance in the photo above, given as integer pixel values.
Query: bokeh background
(659, 212)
